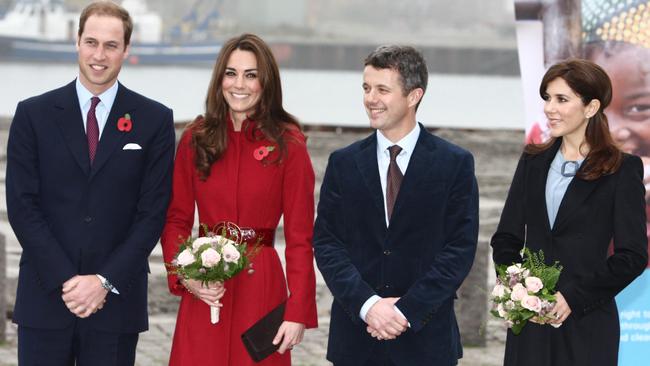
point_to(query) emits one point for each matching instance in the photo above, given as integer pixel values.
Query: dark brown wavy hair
(210, 131)
(589, 81)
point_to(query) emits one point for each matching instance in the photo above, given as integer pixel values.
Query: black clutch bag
(258, 339)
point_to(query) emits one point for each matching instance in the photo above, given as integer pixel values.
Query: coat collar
(577, 191)
(71, 124)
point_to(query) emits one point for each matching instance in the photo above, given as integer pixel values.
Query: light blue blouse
(557, 183)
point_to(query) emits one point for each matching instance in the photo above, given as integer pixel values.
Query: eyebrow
(377, 86)
(111, 41)
(558, 95)
(233, 69)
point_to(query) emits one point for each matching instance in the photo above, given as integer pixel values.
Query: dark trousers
(379, 357)
(76, 345)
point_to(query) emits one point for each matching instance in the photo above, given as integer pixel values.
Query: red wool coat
(250, 193)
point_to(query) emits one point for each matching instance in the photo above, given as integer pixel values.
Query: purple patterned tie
(92, 129)
(394, 179)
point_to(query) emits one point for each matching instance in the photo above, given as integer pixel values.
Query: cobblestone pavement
(495, 153)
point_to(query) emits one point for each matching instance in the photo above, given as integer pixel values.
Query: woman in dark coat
(572, 197)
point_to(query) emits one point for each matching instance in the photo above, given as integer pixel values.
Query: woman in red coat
(245, 161)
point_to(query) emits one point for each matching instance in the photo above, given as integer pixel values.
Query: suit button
(386, 286)
(88, 219)
(386, 252)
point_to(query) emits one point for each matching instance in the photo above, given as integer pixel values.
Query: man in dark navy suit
(397, 228)
(88, 183)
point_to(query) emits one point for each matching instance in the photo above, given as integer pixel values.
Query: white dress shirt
(407, 143)
(102, 109)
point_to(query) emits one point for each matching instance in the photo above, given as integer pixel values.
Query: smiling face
(567, 115)
(629, 111)
(241, 86)
(389, 109)
(101, 51)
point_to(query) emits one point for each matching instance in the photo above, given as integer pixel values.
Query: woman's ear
(592, 108)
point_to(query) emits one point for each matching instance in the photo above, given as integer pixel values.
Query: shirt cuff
(367, 305)
(103, 279)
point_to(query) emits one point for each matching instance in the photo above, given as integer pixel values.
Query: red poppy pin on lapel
(262, 152)
(124, 124)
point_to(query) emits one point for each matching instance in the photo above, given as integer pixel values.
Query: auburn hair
(210, 131)
(589, 81)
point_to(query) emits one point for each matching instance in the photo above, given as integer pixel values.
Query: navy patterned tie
(92, 129)
(394, 179)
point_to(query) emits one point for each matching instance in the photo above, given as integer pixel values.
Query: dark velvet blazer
(71, 218)
(421, 257)
(592, 214)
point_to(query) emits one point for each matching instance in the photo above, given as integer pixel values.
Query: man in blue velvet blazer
(87, 214)
(394, 264)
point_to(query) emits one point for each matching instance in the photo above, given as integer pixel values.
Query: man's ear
(415, 96)
(127, 49)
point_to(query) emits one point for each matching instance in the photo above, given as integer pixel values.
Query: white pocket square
(132, 146)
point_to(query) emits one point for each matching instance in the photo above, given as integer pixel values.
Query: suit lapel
(111, 136)
(366, 161)
(71, 123)
(576, 193)
(420, 164)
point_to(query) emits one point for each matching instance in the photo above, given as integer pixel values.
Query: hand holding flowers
(204, 263)
(209, 293)
(526, 291)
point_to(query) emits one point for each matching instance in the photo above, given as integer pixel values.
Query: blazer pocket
(132, 146)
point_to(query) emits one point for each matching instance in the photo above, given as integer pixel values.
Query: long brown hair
(589, 81)
(210, 132)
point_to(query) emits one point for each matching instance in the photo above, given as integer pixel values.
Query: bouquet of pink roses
(219, 255)
(525, 291)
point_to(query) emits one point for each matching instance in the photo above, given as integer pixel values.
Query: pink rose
(533, 284)
(210, 257)
(498, 291)
(199, 242)
(518, 292)
(230, 253)
(514, 269)
(532, 303)
(185, 258)
(502, 311)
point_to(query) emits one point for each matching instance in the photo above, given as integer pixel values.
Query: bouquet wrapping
(525, 291)
(218, 256)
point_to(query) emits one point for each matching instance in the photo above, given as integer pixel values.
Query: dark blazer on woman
(591, 215)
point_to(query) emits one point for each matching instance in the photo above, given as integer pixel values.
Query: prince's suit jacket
(71, 218)
(421, 257)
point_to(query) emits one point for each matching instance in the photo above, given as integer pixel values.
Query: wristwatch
(106, 284)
